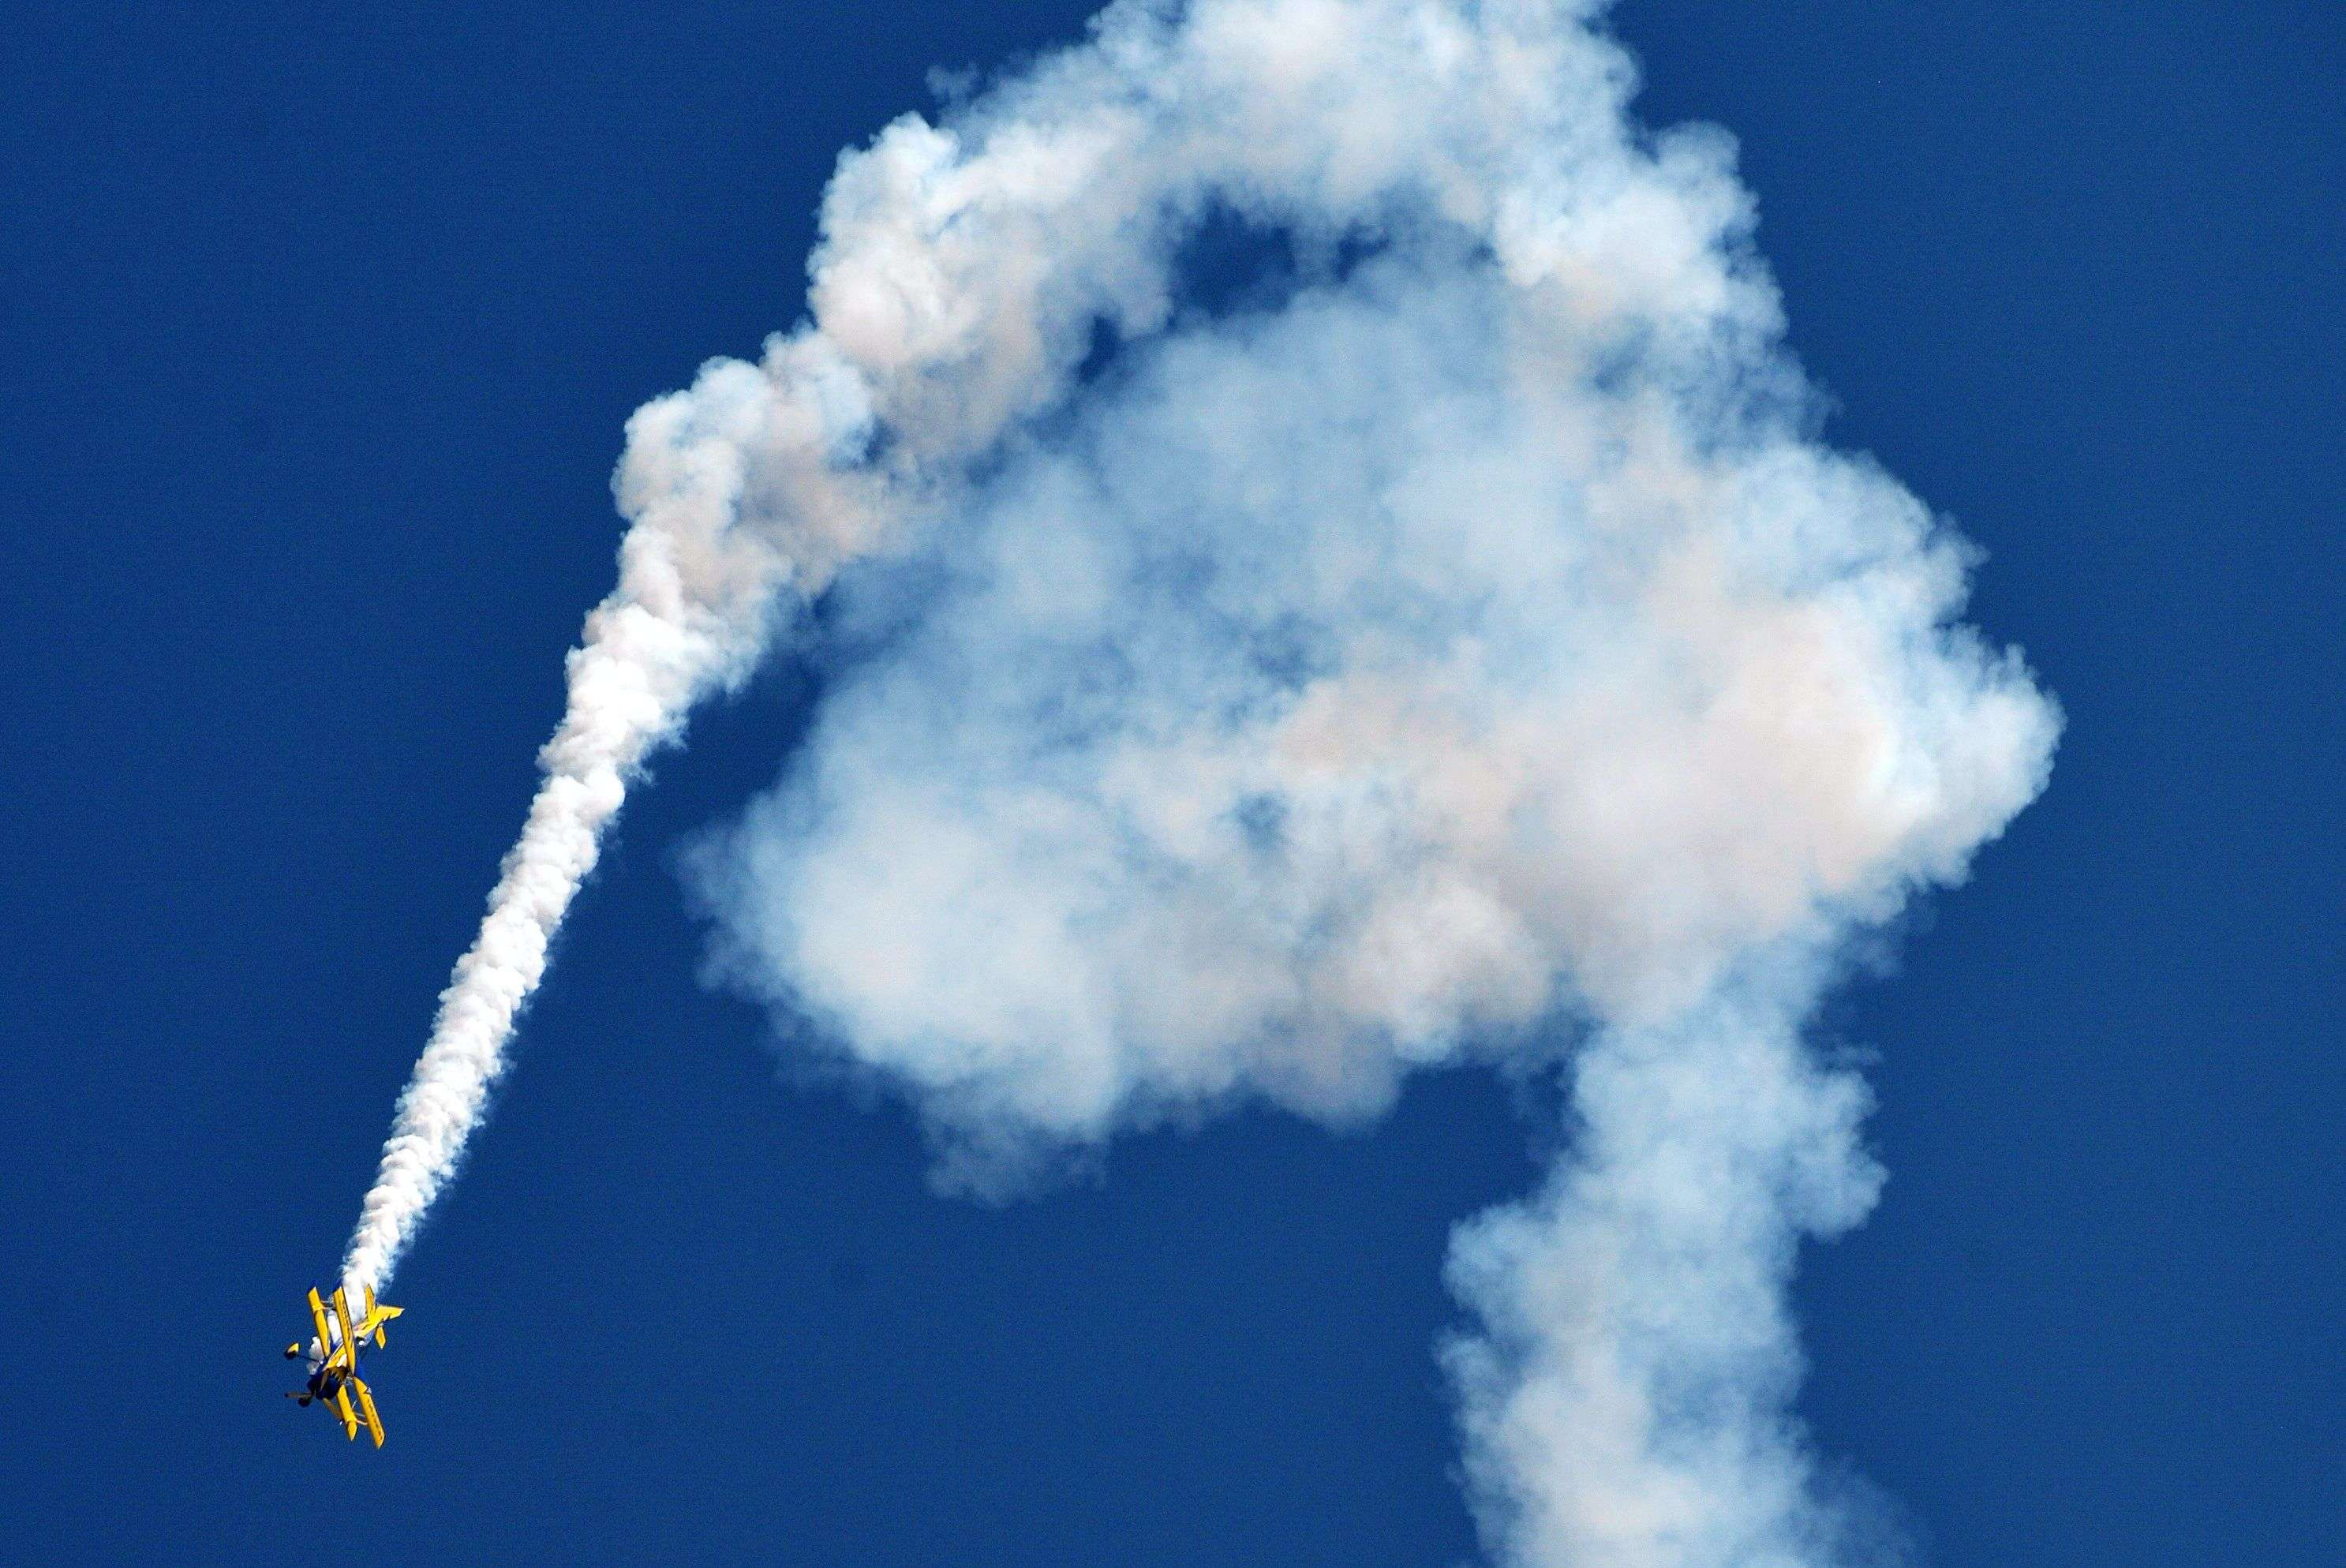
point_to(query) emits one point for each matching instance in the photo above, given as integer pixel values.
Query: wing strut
(318, 1316)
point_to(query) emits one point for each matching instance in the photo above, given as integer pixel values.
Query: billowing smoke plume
(1455, 646)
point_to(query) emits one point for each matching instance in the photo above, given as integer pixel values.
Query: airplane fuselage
(333, 1360)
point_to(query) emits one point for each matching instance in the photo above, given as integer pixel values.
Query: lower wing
(366, 1404)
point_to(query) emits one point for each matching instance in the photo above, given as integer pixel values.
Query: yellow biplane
(334, 1361)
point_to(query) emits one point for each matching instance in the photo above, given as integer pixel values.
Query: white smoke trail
(691, 612)
(646, 654)
(1461, 649)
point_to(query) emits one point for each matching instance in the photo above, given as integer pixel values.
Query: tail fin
(376, 1317)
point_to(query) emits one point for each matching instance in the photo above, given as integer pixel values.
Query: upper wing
(342, 1408)
(342, 1316)
(366, 1404)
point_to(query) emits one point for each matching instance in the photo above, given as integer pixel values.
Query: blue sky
(319, 341)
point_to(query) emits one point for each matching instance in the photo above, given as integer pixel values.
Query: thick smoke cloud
(1458, 645)
(1347, 684)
